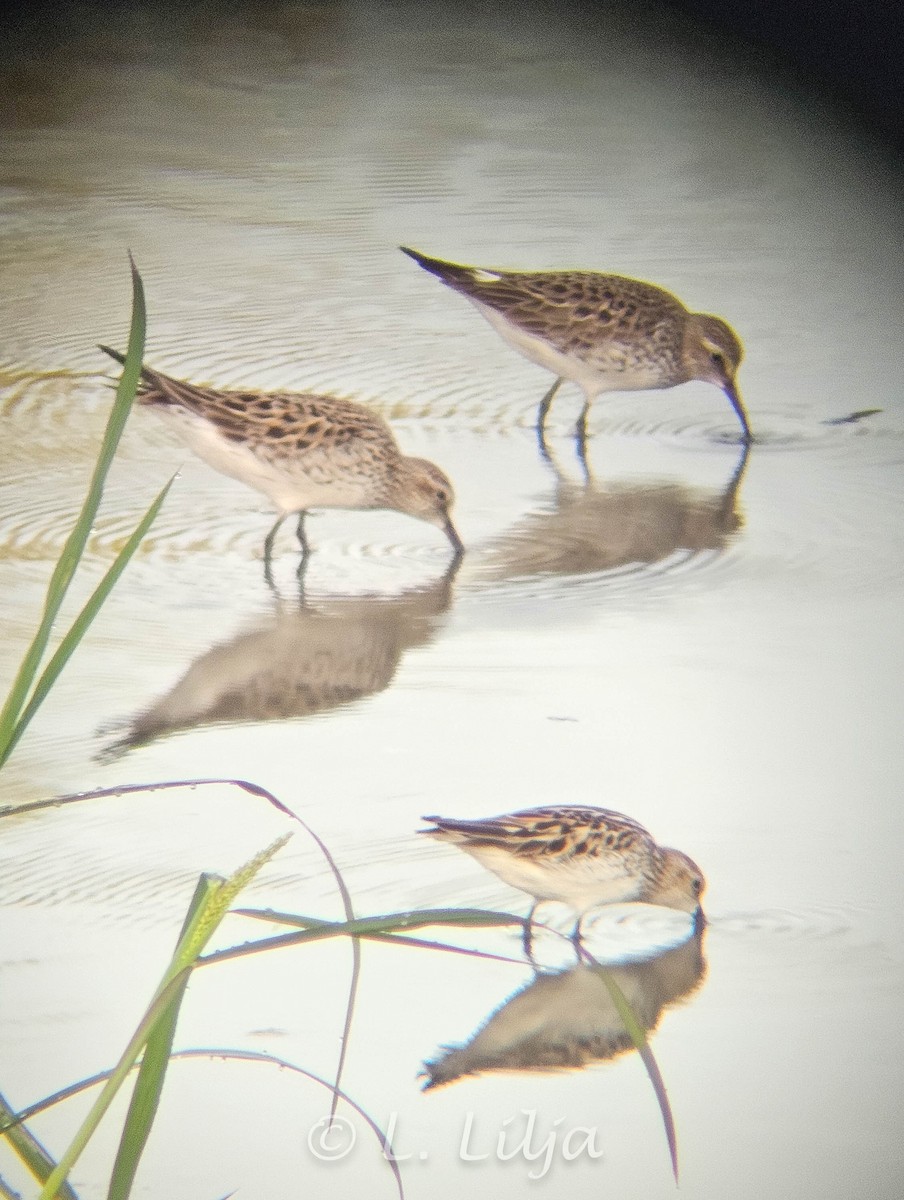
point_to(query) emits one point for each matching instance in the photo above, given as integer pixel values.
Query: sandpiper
(302, 451)
(605, 333)
(582, 857)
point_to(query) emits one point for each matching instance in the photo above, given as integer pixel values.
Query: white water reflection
(299, 662)
(568, 1019)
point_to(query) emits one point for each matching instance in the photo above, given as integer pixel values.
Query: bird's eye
(718, 359)
(697, 885)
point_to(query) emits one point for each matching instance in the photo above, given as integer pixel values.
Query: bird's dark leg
(269, 540)
(300, 534)
(305, 554)
(544, 405)
(580, 438)
(576, 932)
(542, 444)
(527, 937)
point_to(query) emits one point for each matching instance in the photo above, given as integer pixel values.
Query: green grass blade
(35, 1157)
(151, 1073)
(81, 623)
(77, 540)
(415, 918)
(639, 1038)
(199, 927)
(312, 929)
(221, 1053)
(117, 1077)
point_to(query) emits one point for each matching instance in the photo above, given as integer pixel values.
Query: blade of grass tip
(77, 540)
(199, 928)
(639, 1038)
(35, 1156)
(131, 789)
(72, 639)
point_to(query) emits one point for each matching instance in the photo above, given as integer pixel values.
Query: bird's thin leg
(527, 937)
(269, 540)
(305, 555)
(268, 579)
(300, 534)
(300, 576)
(580, 438)
(543, 445)
(576, 932)
(544, 405)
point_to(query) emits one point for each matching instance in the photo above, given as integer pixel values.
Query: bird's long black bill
(735, 400)
(452, 534)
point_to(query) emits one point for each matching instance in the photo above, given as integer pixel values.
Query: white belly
(580, 883)
(617, 368)
(291, 484)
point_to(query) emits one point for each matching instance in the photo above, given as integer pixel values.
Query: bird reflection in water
(304, 660)
(568, 1020)
(594, 527)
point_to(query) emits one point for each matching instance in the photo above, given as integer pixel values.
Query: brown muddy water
(710, 645)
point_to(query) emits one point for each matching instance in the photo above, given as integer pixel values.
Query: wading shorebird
(605, 333)
(302, 451)
(582, 857)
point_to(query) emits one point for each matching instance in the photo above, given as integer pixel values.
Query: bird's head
(680, 883)
(713, 353)
(423, 491)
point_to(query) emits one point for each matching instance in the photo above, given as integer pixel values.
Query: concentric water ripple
(802, 924)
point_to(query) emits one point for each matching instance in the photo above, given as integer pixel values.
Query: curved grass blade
(639, 1038)
(117, 1077)
(217, 1052)
(210, 904)
(254, 790)
(80, 625)
(7, 1193)
(312, 929)
(154, 1061)
(35, 1156)
(11, 726)
(396, 939)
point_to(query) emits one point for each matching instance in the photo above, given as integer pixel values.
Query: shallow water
(709, 644)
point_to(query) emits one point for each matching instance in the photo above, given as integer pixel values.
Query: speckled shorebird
(605, 333)
(582, 857)
(302, 451)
